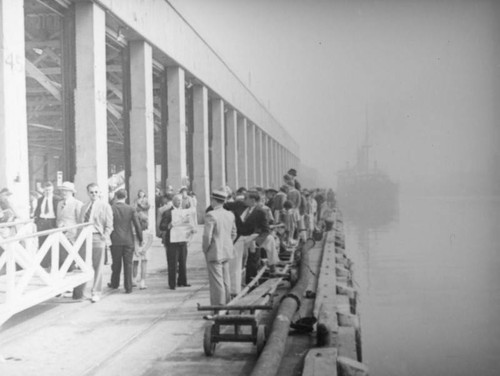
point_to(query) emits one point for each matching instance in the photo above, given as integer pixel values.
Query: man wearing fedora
(217, 245)
(68, 209)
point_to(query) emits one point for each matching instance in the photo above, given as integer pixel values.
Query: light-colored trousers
(98, 245)
(235, 266)
(219, 282)
(272, 251)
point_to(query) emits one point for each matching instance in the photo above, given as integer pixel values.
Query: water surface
(429, 282)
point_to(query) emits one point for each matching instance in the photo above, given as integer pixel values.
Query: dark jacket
(255, 223)
(237, 208)
(38, 210)
(124, 217)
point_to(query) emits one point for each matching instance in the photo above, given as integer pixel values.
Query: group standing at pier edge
(243, 230)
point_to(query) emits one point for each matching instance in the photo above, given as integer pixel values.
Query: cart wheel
(261, 338)
(208, 344)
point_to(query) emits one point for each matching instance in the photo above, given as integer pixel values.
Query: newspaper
(183, 225)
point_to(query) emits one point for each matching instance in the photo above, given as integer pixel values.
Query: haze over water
(429, 287)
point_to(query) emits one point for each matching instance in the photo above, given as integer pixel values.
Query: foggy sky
(422, 75)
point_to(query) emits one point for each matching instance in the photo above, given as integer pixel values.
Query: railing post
(54, 252)
(10, 273)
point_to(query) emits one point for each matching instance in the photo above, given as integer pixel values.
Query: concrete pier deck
(156, 331)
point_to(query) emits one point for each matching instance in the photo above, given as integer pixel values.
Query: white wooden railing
(24, 282)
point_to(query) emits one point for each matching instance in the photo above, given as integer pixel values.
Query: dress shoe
(142, 285)
(95, 298)
(186, 285)
(128, 291)
(111, 286)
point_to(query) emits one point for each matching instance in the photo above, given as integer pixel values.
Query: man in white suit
(68, 212)
(218, 236)
(68, 209)
(100, 214)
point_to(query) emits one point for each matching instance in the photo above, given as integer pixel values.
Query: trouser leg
(98, 263)
(116, 265)
(235, 268)
(171, 250)
(127, 255)
(253, 264)
(226, 281)
(216, 283)
(182, 257)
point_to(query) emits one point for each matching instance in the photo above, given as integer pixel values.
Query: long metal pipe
(270, 358)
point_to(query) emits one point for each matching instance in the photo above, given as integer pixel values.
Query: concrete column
(218, 144)
(279, 166)
(242, 152)
(258, 157)
(176, 130)
(142, 158)
(287, 160)
(283, 160)
(90, 99)
(267, 163)
(13, 126)
(272, 162)
(232, 149)
(251, 150)
(201, 178)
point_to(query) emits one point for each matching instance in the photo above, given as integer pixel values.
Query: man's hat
(271, 190)
(183, 188)
(219, 195)
(292, 172)
(67, 186)
(5, 191)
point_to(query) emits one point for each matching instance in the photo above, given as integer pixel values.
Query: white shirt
(47, 200)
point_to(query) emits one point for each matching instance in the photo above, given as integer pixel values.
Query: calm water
(429, 280)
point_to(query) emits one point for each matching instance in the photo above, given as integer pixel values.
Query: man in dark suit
(122, 240)
(254, 230)
(45, 217)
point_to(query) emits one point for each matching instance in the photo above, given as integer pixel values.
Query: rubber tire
(261, 338)
(208, 344)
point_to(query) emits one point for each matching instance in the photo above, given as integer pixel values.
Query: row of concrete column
(246, 156)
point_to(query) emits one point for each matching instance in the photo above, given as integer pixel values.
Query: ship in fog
(366, 192)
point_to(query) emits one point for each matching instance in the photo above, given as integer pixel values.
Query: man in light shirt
(99, 213)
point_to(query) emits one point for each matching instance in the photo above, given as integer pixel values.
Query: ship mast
(363, 152)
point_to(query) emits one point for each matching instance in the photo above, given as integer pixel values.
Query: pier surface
(156, 331)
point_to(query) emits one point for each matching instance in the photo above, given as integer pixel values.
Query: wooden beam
(47, 127)
(47, 83)
(113, 110)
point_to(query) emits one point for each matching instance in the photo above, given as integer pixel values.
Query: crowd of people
(242, 231)
(251, 227)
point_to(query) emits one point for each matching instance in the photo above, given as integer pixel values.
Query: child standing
(142, 206)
